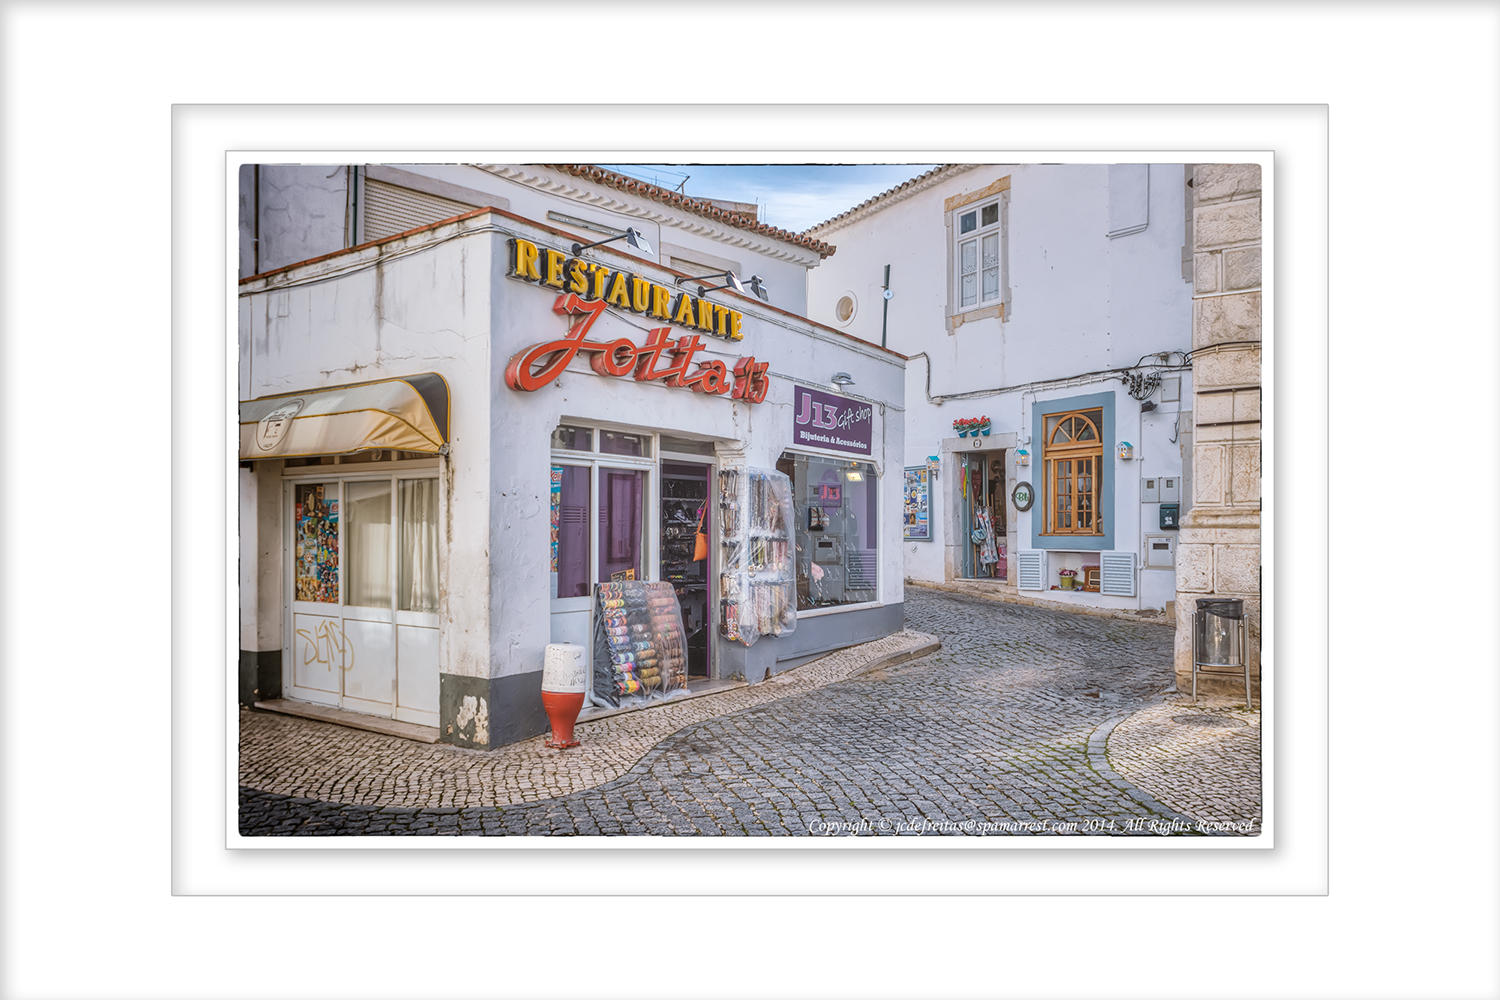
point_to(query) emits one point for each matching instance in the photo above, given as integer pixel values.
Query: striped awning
(404, 414)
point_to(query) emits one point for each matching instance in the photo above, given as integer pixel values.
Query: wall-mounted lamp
(730, 281)
(1127, 451)
(854, 476)
(758, 287)
(841, 379)
(1023, 457)
(631, 235)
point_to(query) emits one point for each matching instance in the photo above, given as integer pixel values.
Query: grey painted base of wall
(260, 676)
(813, 638)
(487, 712)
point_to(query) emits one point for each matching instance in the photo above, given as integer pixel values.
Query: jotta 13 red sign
(824, 420)
(660, 358)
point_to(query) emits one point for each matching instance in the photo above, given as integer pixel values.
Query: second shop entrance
(983, 503)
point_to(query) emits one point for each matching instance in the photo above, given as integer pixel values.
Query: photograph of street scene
(750, 500)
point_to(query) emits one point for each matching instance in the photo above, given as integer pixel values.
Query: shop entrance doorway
(685, 512)
(983, 502)
(362, 585)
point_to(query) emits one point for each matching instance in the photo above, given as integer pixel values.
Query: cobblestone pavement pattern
(1004, 729)
(1203, 760)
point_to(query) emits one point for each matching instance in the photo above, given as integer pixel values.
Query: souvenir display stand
(640, 653)
(757, 581)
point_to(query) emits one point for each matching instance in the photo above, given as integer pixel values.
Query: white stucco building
(1055, 301)
(458, 418)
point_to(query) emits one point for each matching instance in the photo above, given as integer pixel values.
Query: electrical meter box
(1168, 520)
(1150, 490)
(1161, 551)
(1171, 489)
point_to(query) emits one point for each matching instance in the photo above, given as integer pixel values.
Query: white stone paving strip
(299, 757)
(1202, 760)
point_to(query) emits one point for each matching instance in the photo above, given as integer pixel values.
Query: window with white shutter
(1032, 570)
(1117, 574)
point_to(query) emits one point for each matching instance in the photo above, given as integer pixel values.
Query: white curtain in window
(417, 548)
(368, 535)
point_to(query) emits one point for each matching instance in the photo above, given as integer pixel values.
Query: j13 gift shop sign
(824, 420)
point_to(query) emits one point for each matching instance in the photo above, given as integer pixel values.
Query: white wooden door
(363, 578)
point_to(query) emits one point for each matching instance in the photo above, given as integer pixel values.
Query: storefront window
(368, 533)
(615, 443)
(837, 530)
(569, 438)
(417, 546)
(317, 559)
(570, 530)
(622, 524)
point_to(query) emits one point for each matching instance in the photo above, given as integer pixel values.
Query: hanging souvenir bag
(700, 540)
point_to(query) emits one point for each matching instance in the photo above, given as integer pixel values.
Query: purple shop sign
(824, 420)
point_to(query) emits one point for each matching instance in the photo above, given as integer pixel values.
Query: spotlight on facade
(841, 380)
(758, 286)
(731, 281)
(630, 235)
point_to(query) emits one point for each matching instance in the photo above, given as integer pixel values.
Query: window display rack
(757, 582)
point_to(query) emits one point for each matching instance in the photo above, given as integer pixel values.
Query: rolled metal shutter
(1029, 566)
(390, 209)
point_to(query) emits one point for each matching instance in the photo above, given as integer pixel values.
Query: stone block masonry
(1219, 551)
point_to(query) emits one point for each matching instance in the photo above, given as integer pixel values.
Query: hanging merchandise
(757, 585)
(639, 649)
(988, 554)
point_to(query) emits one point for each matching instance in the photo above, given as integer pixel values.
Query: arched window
(1073, 456)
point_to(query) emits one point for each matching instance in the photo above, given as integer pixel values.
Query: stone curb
(1099, 760)
(1005, 596)
(896, 659)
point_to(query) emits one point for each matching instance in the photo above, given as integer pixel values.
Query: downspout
(255, 242)
(885, 309)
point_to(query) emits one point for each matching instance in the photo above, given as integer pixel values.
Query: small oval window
(844, 310)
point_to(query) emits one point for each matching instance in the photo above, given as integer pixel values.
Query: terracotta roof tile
(646, 189)
(882, 195)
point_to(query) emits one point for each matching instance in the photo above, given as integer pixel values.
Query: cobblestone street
(1028, 720)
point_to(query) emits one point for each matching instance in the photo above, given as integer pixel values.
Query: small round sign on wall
(1022, 496)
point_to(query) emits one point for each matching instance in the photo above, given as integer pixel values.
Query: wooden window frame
(1072, 452)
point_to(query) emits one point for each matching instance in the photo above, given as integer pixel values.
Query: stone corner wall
(1219, 551)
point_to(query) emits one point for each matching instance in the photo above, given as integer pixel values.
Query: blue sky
(792, 196)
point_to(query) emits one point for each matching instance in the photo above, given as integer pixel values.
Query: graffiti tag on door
(327, 644)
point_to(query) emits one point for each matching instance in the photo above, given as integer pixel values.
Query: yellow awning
(405, 414)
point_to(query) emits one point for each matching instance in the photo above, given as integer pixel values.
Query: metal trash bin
(1220, 638)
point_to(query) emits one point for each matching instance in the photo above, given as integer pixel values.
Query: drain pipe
(885, 309)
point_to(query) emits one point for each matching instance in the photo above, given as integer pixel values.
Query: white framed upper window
(977, 235)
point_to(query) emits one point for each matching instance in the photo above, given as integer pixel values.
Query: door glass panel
(570, 530)
(416, 546)
(622, 523)
(368, 534)
(316, 516)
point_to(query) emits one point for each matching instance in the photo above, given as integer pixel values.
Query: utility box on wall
(1168, 519)
(1161, 551)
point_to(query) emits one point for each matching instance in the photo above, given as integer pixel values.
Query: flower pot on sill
(1066, 582)
(963, 432)
(985, 431)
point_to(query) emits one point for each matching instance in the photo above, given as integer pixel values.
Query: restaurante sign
(589, 280)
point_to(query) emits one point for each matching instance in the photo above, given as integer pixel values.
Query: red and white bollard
(564, 680)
